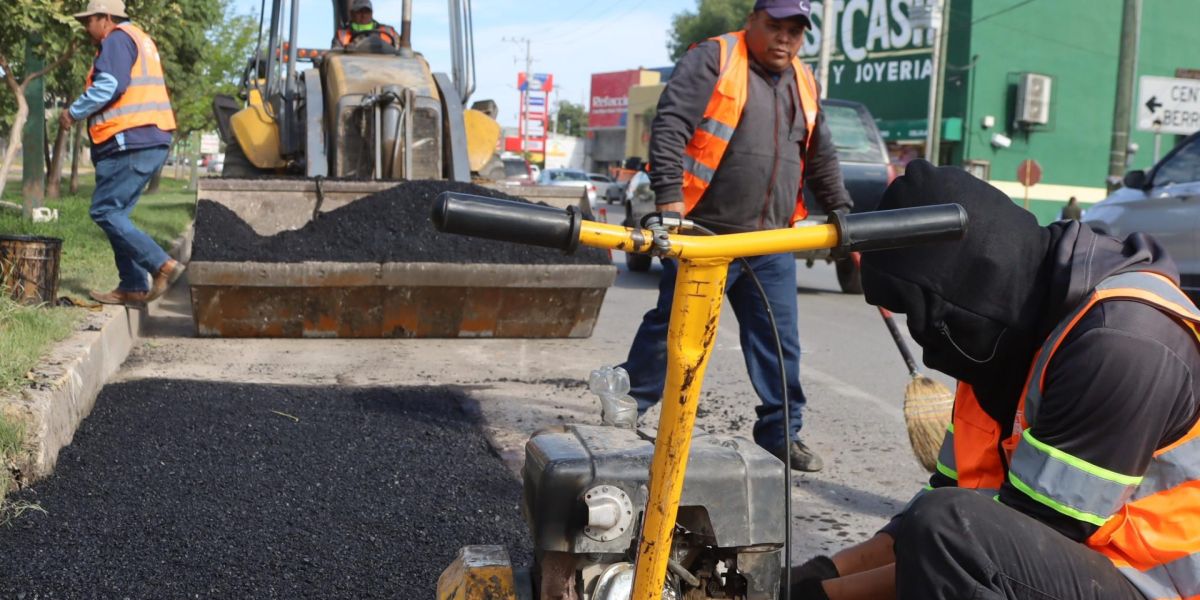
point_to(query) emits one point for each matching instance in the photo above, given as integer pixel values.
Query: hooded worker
(1072, 467)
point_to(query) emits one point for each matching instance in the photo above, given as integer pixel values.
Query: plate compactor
(617, 513)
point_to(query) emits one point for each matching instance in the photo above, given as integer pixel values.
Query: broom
(927, 403)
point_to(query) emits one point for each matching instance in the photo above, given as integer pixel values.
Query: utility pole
(523, 125)
(936, 11)
(1126, 65)
(939, 67)
(828, 29)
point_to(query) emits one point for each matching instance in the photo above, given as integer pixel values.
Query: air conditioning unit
(1033, 99)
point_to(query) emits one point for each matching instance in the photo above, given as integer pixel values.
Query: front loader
(624, 513)
(367, 116)
(369, 110)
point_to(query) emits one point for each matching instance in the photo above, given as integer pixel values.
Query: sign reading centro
(1169, 105)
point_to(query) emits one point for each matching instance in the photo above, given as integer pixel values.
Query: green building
(1007, 60)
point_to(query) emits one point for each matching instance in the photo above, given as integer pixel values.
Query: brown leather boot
(119, 296)
(167, 274)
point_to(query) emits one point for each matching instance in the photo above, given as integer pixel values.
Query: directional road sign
(1169, 105)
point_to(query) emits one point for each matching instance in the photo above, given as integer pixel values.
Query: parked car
(639, 201)
(1163, 202)
(569, 177)
(607, 188)
(509, 169)
(866, 171)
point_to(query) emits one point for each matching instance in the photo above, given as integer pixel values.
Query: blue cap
(785, 9)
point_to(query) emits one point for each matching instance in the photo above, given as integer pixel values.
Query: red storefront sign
(610, 98)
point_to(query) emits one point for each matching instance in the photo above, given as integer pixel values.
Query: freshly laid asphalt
(389, 226)
(191, 489)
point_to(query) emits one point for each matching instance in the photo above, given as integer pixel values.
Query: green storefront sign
(882, 60)
(897, 130)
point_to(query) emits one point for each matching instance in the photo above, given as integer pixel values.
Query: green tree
(572, 119)
(711, 18)
(52, 19)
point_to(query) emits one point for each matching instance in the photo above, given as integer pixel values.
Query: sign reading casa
(875, 41)
(1169, 105)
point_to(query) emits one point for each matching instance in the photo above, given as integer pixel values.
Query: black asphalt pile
(196, 489)
(390, 226)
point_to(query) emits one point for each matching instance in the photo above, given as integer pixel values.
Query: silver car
(1163, 202)
(571, 178)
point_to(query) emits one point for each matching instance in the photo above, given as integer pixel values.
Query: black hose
(787, 425)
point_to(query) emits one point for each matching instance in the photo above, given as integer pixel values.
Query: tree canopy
(572, 119)
(711, 18)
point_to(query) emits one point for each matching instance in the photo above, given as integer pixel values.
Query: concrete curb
(65, 384)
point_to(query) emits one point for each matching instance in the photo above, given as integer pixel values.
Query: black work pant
(960, 544)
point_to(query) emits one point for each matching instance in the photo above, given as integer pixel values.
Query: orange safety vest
(708, 144)
(386, 32)
(145, 101)
(1149, 525)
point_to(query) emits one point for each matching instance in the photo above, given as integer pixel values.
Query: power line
(596, 20)
(1002, 11)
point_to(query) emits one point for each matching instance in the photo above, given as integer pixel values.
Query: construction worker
(737, 133)
(1072, 467)
(130, 123)
(363, 24)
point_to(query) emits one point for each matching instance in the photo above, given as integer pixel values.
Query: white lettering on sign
(888, 28)
(1168, 105)
(610, 104)
(892, 70)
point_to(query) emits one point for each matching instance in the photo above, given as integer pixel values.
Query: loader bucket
(332, 298)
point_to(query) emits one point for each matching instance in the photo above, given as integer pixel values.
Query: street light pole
(1126, 65)
(828, 29)
(937, 26)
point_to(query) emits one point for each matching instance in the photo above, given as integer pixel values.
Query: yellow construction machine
(369, 109)
(368, 115)
(617, 513)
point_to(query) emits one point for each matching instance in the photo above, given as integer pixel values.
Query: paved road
(852, 375)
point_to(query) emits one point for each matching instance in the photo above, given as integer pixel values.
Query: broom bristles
(927, 409)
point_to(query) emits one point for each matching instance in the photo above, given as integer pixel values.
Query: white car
(1163, 202)
(571, 178)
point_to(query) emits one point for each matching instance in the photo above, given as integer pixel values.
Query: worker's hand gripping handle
(900, 227)
(507, 221)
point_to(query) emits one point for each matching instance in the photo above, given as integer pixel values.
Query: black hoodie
(1119, 387)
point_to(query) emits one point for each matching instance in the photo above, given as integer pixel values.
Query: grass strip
(27, 333)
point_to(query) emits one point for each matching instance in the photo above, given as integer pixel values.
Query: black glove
(808, 589)
(819, 568)
(807, 578)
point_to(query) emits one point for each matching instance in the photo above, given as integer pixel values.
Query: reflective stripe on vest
(144, 102)
(724, 111)
(1070, 485)
(1149, 526)
(386, 32)
(946, 465)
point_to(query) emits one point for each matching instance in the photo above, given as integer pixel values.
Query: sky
(570, 39)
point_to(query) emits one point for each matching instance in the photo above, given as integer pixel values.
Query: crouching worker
(1072, 468)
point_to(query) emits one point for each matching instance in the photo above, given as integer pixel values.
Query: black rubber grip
(900, 227)
(507, 221)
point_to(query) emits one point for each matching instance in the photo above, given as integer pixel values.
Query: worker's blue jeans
(647, 360)
(120, 179)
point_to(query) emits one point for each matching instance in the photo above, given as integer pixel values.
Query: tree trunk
(14, 137)
(155, 182)
(76, 150)
(54, 186)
